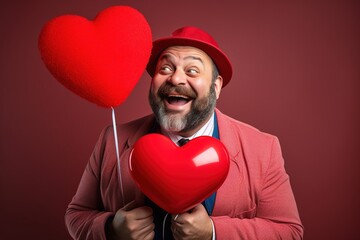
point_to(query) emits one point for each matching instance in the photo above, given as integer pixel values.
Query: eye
(166, 69)
(193, 71)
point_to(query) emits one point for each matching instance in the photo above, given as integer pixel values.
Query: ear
(218, 85)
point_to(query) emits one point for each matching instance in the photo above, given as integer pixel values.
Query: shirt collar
(206, 130)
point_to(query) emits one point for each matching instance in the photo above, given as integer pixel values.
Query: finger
(174, 232)
(146, 230)
(142, 231)
(145, 223)
(180, 218)
(198, 208)
(177, 233)
(143, 212)
(175, 219)
(150, 236)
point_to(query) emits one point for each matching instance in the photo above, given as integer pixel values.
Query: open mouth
(177, 100)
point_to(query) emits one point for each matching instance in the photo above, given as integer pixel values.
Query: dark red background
(297, 76)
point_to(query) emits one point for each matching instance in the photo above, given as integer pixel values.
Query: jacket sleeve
(85, 217)
(276, 211)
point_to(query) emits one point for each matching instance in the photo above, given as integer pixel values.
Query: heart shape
(99, 60)
(178, 178)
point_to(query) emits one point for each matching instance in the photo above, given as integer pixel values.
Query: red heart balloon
(178, 178)
(99, 60)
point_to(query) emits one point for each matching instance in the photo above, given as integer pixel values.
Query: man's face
(182, 94)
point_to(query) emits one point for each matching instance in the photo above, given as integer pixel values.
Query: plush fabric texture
(100, 60)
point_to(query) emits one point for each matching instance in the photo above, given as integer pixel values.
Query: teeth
(177, 100)
(179, 96)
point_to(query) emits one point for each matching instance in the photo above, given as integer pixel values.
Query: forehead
(185, 53)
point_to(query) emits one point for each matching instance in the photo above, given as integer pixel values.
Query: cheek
(151, 89)
(201, 87)
(155, 84)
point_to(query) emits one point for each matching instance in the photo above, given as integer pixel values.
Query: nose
(178, 77)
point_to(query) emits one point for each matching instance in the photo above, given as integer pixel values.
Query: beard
(200, 110)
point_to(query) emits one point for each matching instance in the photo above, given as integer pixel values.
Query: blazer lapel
(227, 135)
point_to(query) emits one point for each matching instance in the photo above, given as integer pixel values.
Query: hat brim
(220, 59)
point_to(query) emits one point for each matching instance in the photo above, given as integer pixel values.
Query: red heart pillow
(99, 60)
(178, 178)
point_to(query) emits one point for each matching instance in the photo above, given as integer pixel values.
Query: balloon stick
(117, 156)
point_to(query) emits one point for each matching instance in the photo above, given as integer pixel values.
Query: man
(188, 72)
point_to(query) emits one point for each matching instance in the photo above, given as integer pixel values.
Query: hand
(195, 224)
(132, 222)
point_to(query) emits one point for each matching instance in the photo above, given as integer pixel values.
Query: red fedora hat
(194, 37)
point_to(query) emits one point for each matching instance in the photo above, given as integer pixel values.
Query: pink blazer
(255, 201)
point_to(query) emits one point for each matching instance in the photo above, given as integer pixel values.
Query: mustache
(167, 88)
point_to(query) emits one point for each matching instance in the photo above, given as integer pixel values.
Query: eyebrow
(194, 58)
(166, 56)
(170, 57)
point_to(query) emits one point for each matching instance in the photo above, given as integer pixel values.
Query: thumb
(130, 206)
